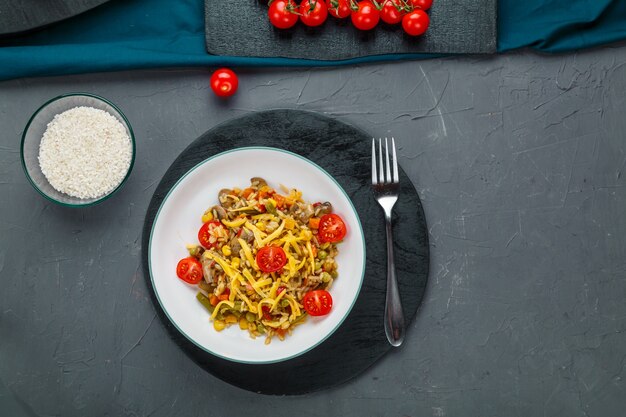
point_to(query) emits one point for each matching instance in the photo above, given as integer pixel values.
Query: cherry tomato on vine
(421, 4)
(318, 302)
(224, 82)
(339, 8)
(416, 22)
(392, 12)
(313, 12)
(366, 17)
(283, 13)
(189, 270)
(271, 258)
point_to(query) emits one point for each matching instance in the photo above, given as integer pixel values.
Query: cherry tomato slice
(416, 22)
(313, 12)
(392, 12)
(189, 270)
(204, 234)
(271, 258)
(282, 14)
(317, 303)
(339, 8)
(331, 228)
(366, 17)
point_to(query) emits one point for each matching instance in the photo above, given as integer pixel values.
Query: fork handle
(394, 316)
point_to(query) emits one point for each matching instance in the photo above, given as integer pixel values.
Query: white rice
(85, 152)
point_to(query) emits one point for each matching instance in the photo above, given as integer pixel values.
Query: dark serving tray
(241, 28)
(17, 16)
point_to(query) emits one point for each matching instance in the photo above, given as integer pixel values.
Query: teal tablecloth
(127, 34)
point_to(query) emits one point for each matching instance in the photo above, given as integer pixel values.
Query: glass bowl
(33, 134)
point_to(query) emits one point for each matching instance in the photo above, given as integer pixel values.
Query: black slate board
(242, 29)
(17, 16)
(344, 152)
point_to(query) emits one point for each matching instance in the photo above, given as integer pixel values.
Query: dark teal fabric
(126, 34)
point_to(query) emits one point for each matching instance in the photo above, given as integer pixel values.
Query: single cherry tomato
(339, 8)
(392, 12)
(271, 258)
(204, 234)
(366, 17)
(283, 14)
(416, 22)
(189, 270)
(313, 12)
(224, 82)
(332, 228)
(317, 303)
(421, 4)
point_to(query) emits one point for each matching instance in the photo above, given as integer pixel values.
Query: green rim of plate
(156, 217)
(104, 197)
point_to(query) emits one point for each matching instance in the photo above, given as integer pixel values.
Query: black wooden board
(344, 152)
(17, 16)
(242, 29)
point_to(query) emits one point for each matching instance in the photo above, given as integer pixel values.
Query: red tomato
(266, 312)
(421, 4)
(392, 12)
(339, 8)
(204, 234)
(189, 270)
(332, 228)
(366, 17)
(282, 14)
(224, 82)
(416, 22)
(271, 258)
(313, 12)
(317, 303)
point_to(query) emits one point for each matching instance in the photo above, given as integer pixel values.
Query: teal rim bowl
(33, 133)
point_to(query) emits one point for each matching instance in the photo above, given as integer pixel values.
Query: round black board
(344, 152)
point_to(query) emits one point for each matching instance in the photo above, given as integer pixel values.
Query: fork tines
(384, 169)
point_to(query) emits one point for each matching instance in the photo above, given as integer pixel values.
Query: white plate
(177, 223)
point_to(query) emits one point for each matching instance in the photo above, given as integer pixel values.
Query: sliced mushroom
(247, 235)
(234, 244)
(258, 182)
(207, 271)
(224, 199)
(219, 212)
(323, 208)
(305, 214)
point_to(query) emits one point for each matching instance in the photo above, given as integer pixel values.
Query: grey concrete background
(519, 160)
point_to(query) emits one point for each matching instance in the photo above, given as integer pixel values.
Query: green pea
(322, 254)
(326, 277)
(334, 273)
(251, 317)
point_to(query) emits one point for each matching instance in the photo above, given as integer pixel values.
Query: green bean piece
(270, 208)
(205, 302)
(284, 303)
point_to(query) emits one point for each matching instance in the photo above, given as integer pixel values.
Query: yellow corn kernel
(289, 223)
(243, 323)
(226, 250)
(230, 319)
(272, 201)
(260, 226)
(219, 325)
(251, 326)
(236, 190)
(207, 216)
(235, 262)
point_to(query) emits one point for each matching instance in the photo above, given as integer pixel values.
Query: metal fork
(386, 189)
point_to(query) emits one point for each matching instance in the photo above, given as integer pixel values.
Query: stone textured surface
(456, 26)
(519, 161)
